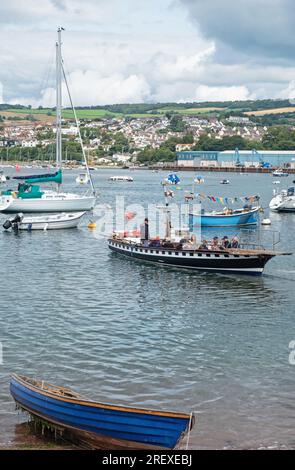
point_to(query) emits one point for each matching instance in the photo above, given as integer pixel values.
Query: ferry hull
(198, 260)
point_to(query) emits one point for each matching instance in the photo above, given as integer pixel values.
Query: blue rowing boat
(229, 218)
(102, 425)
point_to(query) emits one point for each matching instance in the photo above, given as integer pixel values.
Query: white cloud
(288, 92)
(88, 88)
(181, 67)
(222, 93)
(133, 51)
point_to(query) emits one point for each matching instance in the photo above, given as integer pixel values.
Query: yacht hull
(10, 205)
(282, 204)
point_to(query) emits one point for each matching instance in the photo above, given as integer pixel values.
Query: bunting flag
(227, 200)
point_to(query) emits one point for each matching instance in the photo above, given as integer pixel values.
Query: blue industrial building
(273, 158)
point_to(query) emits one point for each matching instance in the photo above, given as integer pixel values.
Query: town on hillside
(207, 137)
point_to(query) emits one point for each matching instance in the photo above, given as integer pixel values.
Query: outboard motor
(13, 223)
(7, 224)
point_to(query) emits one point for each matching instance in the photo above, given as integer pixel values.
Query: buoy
(266, 222)
(91, 225)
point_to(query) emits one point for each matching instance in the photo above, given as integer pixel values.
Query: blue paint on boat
(158, 429)
(237, 218)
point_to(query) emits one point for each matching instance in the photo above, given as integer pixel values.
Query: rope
(189, 431)
(79, 133)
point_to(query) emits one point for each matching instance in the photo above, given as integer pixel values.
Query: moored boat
(28, 197)
(101, 425)
(82, 179)
(121, 178)
(44, 222)
(224, 181)
(3, 178)
(280, 173)
(31, 198)
(225, 218)
(284, 201)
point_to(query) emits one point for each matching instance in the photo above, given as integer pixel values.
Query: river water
(122, 331)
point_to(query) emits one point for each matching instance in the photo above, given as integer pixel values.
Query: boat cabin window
(183, 254)
(169, 252)
(163, 252)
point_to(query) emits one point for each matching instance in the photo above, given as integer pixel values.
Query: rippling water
(125, 332)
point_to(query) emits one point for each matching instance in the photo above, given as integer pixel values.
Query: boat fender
(91, 225)
(29, 227)
(14, 194)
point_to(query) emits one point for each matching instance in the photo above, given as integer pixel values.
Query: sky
(131, 51)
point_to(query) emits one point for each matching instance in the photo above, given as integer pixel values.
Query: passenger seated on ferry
(225, 242)
(235, 242)
(155, 243)
(215, 243)
(204, 245)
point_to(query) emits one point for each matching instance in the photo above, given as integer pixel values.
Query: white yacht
(283, 201)
(31, 198)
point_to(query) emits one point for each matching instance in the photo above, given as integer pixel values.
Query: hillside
(265, 111)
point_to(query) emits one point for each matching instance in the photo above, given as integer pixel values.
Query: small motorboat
(44, 222)
(284, 201)
(101, 426)
(3, 178)
(224, 181)
(83, 178)
(121, 178)
(280, 173)
(276, 182)
(199, 180)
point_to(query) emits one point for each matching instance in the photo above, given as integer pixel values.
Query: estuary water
(121, 331)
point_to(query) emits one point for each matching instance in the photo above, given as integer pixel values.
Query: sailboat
(29, 197)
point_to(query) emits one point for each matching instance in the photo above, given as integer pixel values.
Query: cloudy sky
(118, 51)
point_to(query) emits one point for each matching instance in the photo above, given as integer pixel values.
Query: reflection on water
(128, 332)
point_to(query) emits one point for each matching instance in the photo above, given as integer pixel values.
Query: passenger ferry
(183, 252)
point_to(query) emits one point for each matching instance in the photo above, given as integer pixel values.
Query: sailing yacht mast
(58, 99)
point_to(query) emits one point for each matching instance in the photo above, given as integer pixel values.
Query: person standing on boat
(144, 231)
